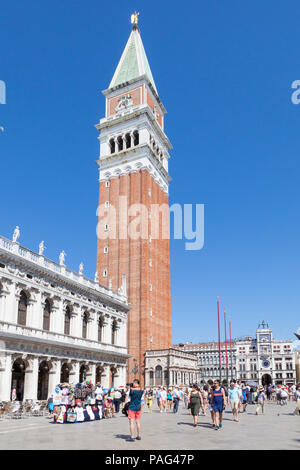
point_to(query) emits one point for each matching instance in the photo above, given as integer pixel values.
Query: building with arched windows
(56, 326)
(170, 368)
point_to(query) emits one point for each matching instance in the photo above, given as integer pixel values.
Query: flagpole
(230, 349)
(219, 338)
(226, 346)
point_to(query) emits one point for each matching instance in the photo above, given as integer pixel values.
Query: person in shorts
(218, 402)
(135, 409)
(233, 399)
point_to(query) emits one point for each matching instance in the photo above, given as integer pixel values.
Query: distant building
(208, 360)
(170, 367)
(264, 360)
(258, 360)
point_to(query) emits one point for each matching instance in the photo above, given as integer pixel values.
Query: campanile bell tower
(133, 196)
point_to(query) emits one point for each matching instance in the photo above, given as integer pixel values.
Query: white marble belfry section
(44, 346)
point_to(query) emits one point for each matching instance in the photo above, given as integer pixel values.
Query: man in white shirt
(117, 400)
(163, 400)
(176, 398)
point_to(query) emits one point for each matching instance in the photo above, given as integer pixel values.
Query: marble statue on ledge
(62, 258)
(81, 267)
(96, 279)
(16, 234)
(41, 248)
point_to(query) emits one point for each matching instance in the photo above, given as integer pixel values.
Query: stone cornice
(21, 339)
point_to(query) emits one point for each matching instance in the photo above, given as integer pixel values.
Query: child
(109, 412)
(149, 400)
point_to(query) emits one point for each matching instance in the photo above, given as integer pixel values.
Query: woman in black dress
(195, 403)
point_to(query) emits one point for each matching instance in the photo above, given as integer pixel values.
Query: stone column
(56, 320)
(4, 293)
(34, 310)
(31, 379)
(74, 373)
(105, 376)
(54, 376)
(147, 378)
(93, 327)
(118, 377)
(5, 376)
(76, 323)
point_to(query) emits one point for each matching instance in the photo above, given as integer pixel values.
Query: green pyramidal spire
(133, 62)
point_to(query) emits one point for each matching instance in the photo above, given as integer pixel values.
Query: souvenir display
(77, 403)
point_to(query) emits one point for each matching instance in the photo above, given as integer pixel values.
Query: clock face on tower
(266, 363)
(265, 338)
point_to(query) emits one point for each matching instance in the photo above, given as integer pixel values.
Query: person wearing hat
(233, 399)
(261, 398)
(109, 410)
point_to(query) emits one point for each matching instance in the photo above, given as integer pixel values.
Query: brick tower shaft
(133, 228)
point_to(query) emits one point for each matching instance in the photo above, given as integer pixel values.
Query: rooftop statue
(62, 258)
(41, 247)
(16, 234)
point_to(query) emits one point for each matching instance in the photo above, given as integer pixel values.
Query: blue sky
(224, 72)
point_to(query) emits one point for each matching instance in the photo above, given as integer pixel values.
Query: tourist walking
(261, 398)
(149, 400)
(284, 396)
(205, 398)
(176, 398)
(135, 409)
(169, 400)
(186, 398)
(244, 399)
(195, 403)
(218, 402)
(117, 400)
(233, 400)
(163, 400)
(297, 396)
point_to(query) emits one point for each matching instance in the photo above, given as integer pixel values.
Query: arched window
(82, 373)
(64, 373)
(46, 316)
(136, 139)
(22, 308)
(120, 143)
(113, 332)
(100, 329)
(112, 145)
(158, 375)
(67, 321)
(128, 141)
(84, 324)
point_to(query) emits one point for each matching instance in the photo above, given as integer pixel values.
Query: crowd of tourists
(210, 399)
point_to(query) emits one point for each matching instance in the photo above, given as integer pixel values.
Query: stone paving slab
(279, 428)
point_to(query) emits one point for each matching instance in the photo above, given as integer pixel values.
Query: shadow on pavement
(122, 436)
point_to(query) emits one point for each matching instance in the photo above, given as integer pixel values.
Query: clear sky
(224, 72)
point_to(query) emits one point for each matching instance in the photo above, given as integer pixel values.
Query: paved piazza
(277, 429)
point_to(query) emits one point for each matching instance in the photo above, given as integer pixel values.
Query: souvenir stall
(77, 403)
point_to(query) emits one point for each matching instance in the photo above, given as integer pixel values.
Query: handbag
(71, 416)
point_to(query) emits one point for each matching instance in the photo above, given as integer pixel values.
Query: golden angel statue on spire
(135, 18)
